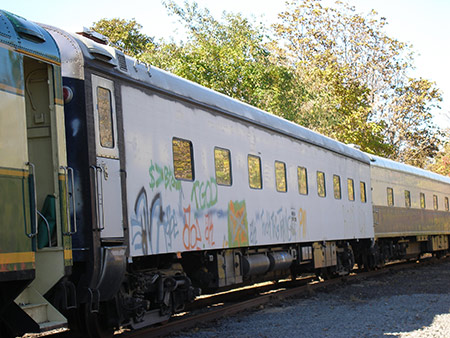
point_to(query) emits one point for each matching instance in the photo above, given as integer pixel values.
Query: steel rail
(194, 320)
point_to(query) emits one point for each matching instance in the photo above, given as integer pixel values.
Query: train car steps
(40, 310)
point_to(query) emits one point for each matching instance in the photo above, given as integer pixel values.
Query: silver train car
(411, 209)
(178, 190)
(182, 189)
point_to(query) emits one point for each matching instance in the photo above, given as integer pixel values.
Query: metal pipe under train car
(260, 264)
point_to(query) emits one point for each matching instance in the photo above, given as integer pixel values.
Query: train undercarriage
(155, 287)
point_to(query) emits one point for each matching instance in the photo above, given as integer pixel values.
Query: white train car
(227, 175)
(179, 188)
(411, 208)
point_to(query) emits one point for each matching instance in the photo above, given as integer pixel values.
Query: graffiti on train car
(188, 223)
(157, 226)
(280, 225)
(237, 224)
(162, 174)
(154, 227)
(302, 221)
(192, 231)
(205, 194)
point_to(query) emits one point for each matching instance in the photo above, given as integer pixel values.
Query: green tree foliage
(229, 56)
(360, 80)
(329, 69)
(410, 130)
(124, 34)
(441, 164)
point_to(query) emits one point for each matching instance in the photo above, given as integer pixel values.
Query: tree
(124, 35)
(332, 70)
(410, 128)
(229, 56)
(441, 164)
(362, 78)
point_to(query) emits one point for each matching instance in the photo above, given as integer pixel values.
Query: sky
(422, 23)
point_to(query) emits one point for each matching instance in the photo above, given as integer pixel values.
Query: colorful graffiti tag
(302, 221)
(153, 227)
(192, 232)
(237, 224)
(205, 194)
(162, 174)
(184, 223)
(280, 225)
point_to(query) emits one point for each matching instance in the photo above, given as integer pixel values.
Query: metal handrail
(67, 199)
(48, 229)
(33, 234)
(74, 202)
(70, 194)
(99, 197)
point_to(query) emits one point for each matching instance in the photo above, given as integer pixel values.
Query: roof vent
(93, 35)
(25, 29)
(122, 61)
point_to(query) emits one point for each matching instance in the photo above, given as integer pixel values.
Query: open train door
(106, 171)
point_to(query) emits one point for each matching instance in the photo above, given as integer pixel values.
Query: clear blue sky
(424, 23)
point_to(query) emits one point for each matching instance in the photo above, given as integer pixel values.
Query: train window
(254, 172)
(362, 188)
(105, 119)
(407, 199)
(337, 187)
(280, 176)
(183, 159)
(435, 202)
(446, 204)
(222, 162)
(302, 180)
(390, 197)
(422, 201)
(321, 184)
(350, 189)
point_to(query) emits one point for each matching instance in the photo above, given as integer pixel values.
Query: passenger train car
(161, 189)
(35, 221)
(411, 209)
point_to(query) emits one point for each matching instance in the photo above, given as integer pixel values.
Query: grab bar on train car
(376, 212)
(49, 235)
(74, 201)
(99, 197)
(34, 202)
(70, 194)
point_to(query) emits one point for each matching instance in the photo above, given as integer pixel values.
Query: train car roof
(27, 37)
(381, 162)
(164, 81)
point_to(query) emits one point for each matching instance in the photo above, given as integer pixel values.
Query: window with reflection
(302, 176)
(446, 204)
(105, 119)
(337, 187)
(321, 184)
(350, 189)
(407, 199)
(435, 202)
(390, 197)
(254, 172)
(222, 162)
(362, 191)
(183, 159)
(280, 176)
(422, 201)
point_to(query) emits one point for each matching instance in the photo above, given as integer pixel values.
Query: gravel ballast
(414, 302)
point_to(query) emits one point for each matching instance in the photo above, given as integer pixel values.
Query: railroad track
(220, 306)
(212, 307)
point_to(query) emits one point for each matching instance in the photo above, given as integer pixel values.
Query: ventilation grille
(122, 61)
